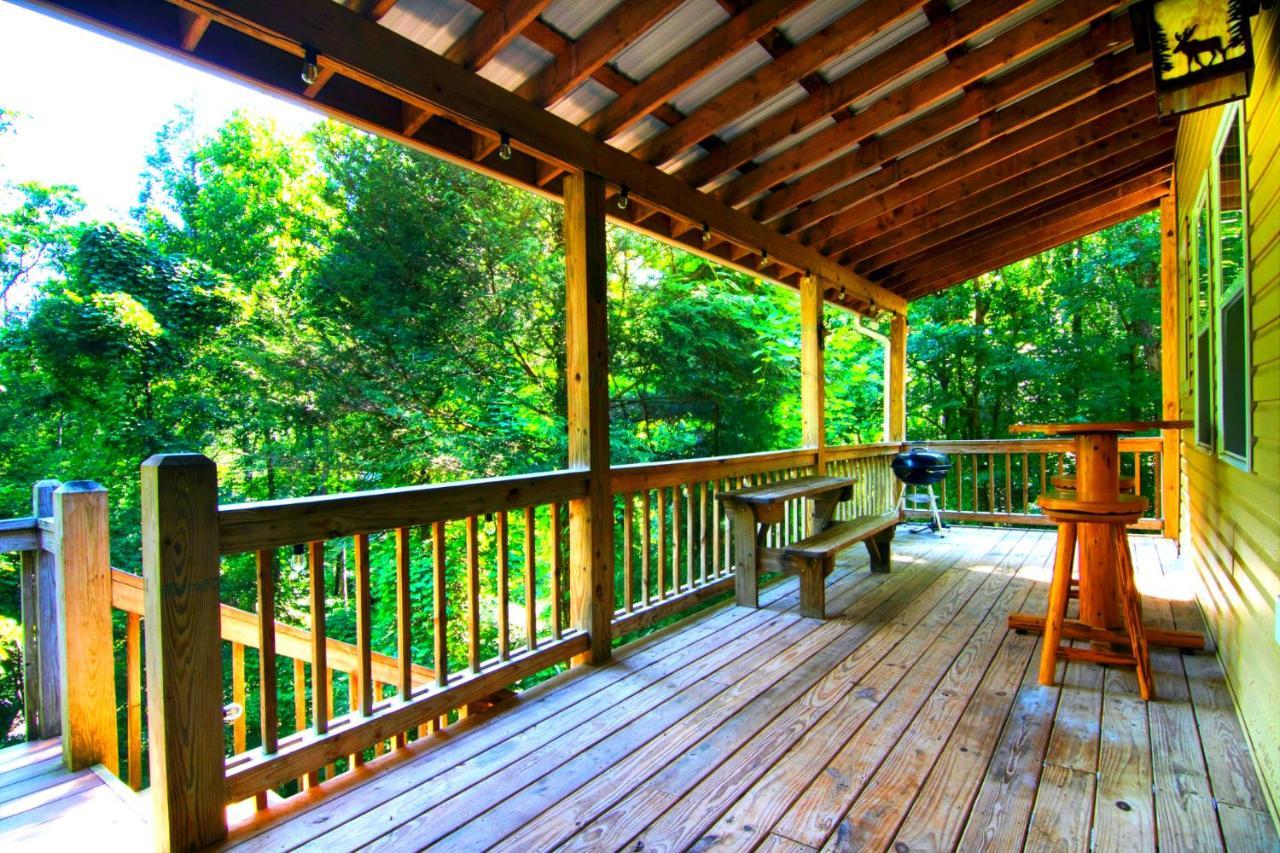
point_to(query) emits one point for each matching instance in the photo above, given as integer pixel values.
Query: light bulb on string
(504, 147)
(310, 66)
(764, 260)
(298, 559)
(706, 234)
(624, 198)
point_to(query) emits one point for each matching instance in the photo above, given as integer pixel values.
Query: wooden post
(40, 626)
(812, 383)
(587, 376)
(1170, 462)
(183, 649)
(88, 685)
(897, 380)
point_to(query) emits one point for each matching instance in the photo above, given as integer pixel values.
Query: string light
(504, 148)
(298, 559)
(764, 260)
(624, 198)
(310, 66)
(706, 234)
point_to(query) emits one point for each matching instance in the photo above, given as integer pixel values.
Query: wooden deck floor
(44, 807)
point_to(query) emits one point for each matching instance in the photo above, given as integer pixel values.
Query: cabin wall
(1230, 516)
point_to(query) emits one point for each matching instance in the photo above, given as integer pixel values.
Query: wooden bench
(814, 557)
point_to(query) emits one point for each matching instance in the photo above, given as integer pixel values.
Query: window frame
(1202, 322)
(1233, 118)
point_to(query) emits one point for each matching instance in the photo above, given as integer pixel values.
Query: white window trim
(1203, 203)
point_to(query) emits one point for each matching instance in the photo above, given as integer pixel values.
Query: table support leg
(746, 581)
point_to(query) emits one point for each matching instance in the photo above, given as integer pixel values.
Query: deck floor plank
(912, 721)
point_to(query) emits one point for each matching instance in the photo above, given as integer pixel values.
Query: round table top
(1110, 427)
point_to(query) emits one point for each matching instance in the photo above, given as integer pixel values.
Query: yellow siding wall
(1231, 518)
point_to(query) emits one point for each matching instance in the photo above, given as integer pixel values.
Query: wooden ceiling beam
(1054, 112)
(380, 59)
(1002, 103)
(690, 65)
(597, 46)
(1074, 198)
(848, 31)
(495, 30)
(923, 288)
(1029, 240)
(929, 90)
(919, 224)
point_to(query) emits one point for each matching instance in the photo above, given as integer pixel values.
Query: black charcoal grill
(921, 468)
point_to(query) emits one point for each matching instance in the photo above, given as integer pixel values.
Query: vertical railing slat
(628, 544)
(504, 587)
(364, 628)
(268, 717)
(530, 580)
(473, 594)
(439, 604)
(133, 691)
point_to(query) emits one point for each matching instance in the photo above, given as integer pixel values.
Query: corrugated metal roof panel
(874, 46)
(434, 24)
(898, 82)
(686, 24)
(814, 17)
(575, 17)
(1008, 24)
(584, 101)
(515, 63)
(726, 74)
(642, 131)
(795, 139)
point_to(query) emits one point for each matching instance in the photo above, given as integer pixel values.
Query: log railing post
(1170, 461)
(812, 382)
(591, 559)
(897, 379)
(87, 653)
(183, 649)
(40, 622)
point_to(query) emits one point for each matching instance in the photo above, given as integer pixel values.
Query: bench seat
(813, 558)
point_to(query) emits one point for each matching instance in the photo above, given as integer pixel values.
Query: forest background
(328, 311)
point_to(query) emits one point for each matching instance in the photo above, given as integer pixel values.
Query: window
(1231, 298)
(1201, 289)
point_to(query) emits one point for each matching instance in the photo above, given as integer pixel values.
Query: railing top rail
(19, 534)
(1021, 445)
(274, 524)
(652, 475)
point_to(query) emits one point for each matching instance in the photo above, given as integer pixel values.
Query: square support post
(1171, 449)
(897, 379)
(87, 653)
(591, 597)
(183, 649)
(812, 382)
(40, 628)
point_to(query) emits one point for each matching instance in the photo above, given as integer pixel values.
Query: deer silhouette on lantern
(1194, 49)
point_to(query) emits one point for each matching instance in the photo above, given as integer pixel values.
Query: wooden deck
(913, 722)
(44, 807)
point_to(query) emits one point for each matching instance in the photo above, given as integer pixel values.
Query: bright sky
(92, 107)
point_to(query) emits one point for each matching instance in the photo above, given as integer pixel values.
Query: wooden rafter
(690, 65)
(596, 47)
(848, 31)
(193, 27)
(974, 148)
(920, 94)
(920, 225)
(1072, 199)
(1029, 239)
(494, 31)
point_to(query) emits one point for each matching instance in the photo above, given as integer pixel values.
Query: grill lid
(921, 467)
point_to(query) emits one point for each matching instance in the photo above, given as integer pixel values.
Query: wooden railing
(998, 481)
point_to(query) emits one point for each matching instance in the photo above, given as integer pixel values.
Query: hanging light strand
(310, 65)
(504, 145)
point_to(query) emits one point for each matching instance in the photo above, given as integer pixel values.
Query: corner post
(87, 652)
(591, 596)
(1170, 358)
(40, 628)
(812, 382)
(897, 379)
(183, 649)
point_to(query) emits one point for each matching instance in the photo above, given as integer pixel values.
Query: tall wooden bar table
(1098, 479)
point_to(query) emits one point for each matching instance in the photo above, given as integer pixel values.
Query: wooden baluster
(404, 621)
(1025, 505)
(675, 540)
(662, 544)
(379, 690)
(300, 707)
(557, 571)
(628, 507)
(268, 717)
(319, 647)
(354, 687)
(646, 547)
(1157, 496)
(688, 539)
(974, 460)
(473, 594)
(702, 533)
(1044, 473)
(530, 581)
(238, 729)
(991, 482)
(715, 529)
(43, 696)
(133, 691)
(504, 591)
(439, 605)
(1008, 482)
(330, 770)
(362, 698)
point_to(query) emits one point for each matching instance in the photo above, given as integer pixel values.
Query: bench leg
(745, 568)
(878, 549)
(813, 590)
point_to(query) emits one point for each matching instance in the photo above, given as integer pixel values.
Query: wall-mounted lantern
(1201, 51)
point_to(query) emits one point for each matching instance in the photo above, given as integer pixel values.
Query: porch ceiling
(890, 147)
